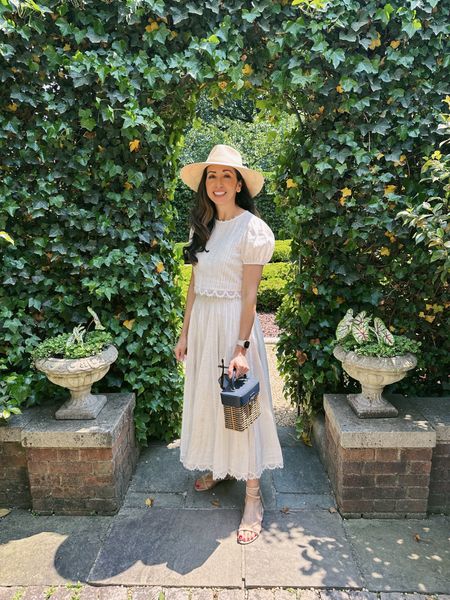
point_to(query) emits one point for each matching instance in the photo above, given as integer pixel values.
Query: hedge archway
(94, 100)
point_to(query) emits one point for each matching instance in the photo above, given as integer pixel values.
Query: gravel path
(268, 325)
(285, 413)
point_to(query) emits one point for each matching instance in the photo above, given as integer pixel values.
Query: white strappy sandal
(255, 527)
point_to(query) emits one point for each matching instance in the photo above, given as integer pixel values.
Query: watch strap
(244, 343)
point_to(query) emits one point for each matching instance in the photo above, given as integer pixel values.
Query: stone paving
(169, 542)
(167, 538)
(86, 592)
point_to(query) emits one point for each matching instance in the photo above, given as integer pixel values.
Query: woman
(228, 247)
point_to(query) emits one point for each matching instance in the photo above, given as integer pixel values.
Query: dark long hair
(204, 213)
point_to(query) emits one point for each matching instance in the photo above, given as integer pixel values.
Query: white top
(245, 239)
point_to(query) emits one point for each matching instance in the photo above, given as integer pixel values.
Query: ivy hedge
(94, 100)
(372, 79)
(90, 116)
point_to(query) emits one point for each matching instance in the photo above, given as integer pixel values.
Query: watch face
(246, 344)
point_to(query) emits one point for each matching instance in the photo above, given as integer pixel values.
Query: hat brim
(191, 175)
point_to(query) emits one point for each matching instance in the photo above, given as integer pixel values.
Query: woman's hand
(180, 349)
(239, 361)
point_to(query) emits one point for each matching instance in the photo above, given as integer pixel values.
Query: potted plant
(75, 361)
(375, 357)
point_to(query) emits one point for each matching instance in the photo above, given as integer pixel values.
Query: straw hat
(227, 156)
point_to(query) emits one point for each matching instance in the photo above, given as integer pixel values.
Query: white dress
(205, 442)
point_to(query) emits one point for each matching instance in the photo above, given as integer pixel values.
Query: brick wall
(378, 482)
(81, 481)
(439, 499)
(72, 480)
(14, 483)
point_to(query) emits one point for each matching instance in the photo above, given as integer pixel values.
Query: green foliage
(367, 88)
(401, 345)
(355, 333)
(270, 294)
(358, 327)
(14, 391)
(60, 347)
(282, 251)
(431, 219)
(87, 206)
(94, 103)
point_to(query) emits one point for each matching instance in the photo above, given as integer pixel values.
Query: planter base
(88, 408)
(380, 468)
(369, 408)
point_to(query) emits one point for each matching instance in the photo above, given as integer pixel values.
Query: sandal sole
(207, 489)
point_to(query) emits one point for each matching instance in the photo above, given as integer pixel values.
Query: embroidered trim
(238, 476)
(218, 293)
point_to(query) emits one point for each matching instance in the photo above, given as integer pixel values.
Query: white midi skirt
(205, 442)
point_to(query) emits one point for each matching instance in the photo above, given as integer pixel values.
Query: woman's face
(222, 184)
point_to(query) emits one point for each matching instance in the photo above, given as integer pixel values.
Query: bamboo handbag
(240, 400)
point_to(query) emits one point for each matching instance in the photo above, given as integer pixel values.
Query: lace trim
(218, 293)
(235, 474)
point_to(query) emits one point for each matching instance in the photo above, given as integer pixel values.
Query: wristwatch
(244, 343)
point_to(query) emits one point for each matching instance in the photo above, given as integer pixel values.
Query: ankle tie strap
(253, 492)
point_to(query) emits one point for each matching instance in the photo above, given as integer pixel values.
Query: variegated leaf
(97, 322)
(360, 327)
(384, 336)
(76, 337)
(345, 325)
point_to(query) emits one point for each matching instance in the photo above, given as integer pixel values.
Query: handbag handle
(233, 378)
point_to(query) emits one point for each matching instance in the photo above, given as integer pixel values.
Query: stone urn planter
(373, 373)
(78, 375)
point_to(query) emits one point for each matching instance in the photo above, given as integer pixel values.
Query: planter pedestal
(71, 467)
(369, 404)
(86, 407)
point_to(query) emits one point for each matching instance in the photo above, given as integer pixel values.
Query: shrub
(270, 294)
(282, 252)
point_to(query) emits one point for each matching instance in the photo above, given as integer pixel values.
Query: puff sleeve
(258, 243)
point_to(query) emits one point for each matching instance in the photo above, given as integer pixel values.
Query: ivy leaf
(337, 57)
(250, 16)
(356, 25)
(411, 27)
(86, 119)
(381, 127)
(347, 36)
(384, 14)
(6, 237)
